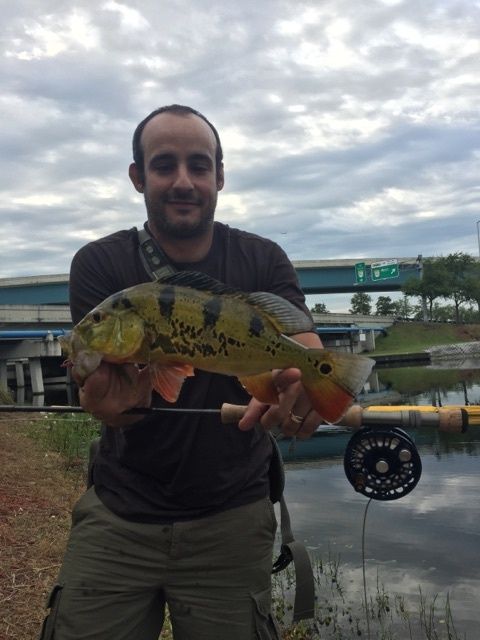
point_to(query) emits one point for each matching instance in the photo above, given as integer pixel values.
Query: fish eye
(97, 317)
(325, 368)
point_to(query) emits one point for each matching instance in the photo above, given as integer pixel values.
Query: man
(179, 512)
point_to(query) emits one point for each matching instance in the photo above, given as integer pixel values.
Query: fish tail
(332, 380)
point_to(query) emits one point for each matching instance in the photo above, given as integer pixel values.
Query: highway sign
(360, 273)
(384, 270)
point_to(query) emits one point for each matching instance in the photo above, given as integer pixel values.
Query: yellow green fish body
(188, 321)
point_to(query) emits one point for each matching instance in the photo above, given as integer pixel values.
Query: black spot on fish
(166, 302)
(325, 368)
(126, 303)
(256, 327)
(207, 351)
(211, 312)
(163, 343)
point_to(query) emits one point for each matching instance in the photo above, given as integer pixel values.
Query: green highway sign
(384, 270)
(360, 273)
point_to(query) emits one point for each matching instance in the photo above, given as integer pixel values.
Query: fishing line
(382, 464)
(363, 568)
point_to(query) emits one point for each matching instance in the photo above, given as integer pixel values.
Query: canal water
(423, 547)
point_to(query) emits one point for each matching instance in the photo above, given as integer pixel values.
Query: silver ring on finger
(303, 420)
(296, 419)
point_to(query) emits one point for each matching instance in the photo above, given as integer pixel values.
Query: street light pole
(478, 237)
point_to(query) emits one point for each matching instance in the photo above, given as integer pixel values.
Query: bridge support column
(369, 339)
(3, 373)
(36, 376)
(19, 374)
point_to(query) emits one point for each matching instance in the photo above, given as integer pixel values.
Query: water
(429, 539)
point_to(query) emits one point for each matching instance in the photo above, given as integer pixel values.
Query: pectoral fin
(261, 387)
(168, 380)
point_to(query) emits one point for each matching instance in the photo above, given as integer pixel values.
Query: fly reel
(382, 463)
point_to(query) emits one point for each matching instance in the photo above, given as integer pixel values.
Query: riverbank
(405, 339)
(37, 492)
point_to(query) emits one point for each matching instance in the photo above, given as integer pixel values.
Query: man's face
(181, 181)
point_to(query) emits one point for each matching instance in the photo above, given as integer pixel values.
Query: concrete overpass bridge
(34, 309)
(316, 276)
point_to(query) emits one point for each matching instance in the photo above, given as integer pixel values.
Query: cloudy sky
(351, 128)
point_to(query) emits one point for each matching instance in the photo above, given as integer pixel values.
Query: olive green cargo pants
(117, 575)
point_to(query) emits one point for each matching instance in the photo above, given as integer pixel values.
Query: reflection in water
(428, 539)
(422, 385)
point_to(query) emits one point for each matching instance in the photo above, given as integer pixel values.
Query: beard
(179, 229)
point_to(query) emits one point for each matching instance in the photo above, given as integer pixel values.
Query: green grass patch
(5, 395)
(69, 434)
(412, 337)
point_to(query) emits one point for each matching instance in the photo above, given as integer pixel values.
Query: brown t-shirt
(166, 467)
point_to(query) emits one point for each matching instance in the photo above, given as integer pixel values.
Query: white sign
(384, 263)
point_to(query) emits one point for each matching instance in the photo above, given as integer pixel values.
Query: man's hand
(112, 389)
(293, 413)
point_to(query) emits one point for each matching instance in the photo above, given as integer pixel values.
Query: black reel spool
(383, 464)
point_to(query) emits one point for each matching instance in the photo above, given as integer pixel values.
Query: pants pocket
(53, 602)
(265, 625)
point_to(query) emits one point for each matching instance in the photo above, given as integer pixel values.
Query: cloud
(346, 133)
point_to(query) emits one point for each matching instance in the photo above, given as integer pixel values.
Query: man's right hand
(112, 389)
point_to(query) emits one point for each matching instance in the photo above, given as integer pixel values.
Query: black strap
(157, 265)
(292, 550)
(153, 258)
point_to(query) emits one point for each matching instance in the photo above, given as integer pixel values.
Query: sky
(350, 128)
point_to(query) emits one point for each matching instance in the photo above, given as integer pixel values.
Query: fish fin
(197, 280)
(168, 380)
(334, 381)
(261, 387)
(286, 317)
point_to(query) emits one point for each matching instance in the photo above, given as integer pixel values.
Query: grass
(37, 494)
(5, 396)
(341, 613)
(412, 337)
(69, 434)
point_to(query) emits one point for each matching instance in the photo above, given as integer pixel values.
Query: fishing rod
(381, 460)
(448, 419)
(229, 413)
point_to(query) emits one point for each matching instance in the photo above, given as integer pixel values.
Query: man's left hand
(293, 413)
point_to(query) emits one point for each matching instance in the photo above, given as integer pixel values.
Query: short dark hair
(177, 109)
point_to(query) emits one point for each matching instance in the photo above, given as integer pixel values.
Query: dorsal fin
(197, 280)
(284, 315)
(287, 317)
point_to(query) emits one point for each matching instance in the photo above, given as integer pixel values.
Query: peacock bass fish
(188, 320)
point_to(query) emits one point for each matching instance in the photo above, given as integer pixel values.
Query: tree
(384, 306)
(319, 307)
(472, 283)
(403, 308)
(432, 285)
(456, 266)
(361, 303)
